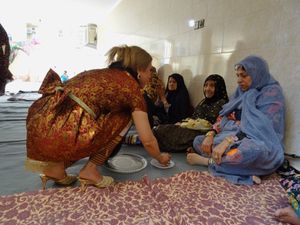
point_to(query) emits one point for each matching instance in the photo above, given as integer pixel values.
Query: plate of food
(155, 163)
(126, 163)
(197, 124)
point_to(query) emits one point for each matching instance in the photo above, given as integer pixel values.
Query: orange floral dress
(81, 117)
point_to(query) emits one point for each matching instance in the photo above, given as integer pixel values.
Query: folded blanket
(25, 96)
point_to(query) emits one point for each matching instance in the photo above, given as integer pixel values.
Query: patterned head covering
(220, 89)
(263, 109)
(154, 84)
(258, 69)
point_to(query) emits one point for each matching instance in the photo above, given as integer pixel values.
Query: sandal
(103, 183)
(68, 180)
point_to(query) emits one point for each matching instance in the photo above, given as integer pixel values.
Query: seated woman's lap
(217, 140)
(245, 153)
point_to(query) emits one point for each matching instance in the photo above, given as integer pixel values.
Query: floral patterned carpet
(187, 198)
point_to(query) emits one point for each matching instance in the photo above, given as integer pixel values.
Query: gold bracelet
(211, 161)
(230, 141)
(210, 133)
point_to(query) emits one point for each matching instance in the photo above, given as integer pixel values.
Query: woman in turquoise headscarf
(247, 139)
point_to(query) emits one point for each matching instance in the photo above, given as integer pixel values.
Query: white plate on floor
(126, 163)
(155, 163)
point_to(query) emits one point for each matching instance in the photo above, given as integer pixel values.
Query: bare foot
(195, 159)
(90, 172)
(287, 215)
(57, 171)
(256, 180)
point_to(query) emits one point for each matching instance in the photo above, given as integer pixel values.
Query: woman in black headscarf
(215, 96)
(172, 137)
(177, 106)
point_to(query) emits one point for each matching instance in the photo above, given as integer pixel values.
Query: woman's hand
(164, 159)
(207, 144)
(219, 150)
(166, 106)
(146, 136)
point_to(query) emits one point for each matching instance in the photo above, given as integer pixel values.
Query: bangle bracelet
(210, 133)
(230, 141)
(211, 161)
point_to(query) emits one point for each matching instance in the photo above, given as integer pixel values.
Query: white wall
(233, 29)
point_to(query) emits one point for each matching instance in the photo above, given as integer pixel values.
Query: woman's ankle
(57, 171)
(90, 172)
(195, 159)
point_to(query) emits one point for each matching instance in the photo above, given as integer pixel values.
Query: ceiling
(57, 11)
(102, 6)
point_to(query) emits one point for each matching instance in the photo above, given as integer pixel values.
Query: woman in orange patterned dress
(87, 117)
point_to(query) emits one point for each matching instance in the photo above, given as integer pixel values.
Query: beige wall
(233, 29)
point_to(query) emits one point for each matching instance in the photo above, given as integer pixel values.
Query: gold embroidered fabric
(60, 129)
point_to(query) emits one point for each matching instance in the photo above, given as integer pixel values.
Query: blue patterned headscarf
(260, 106)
